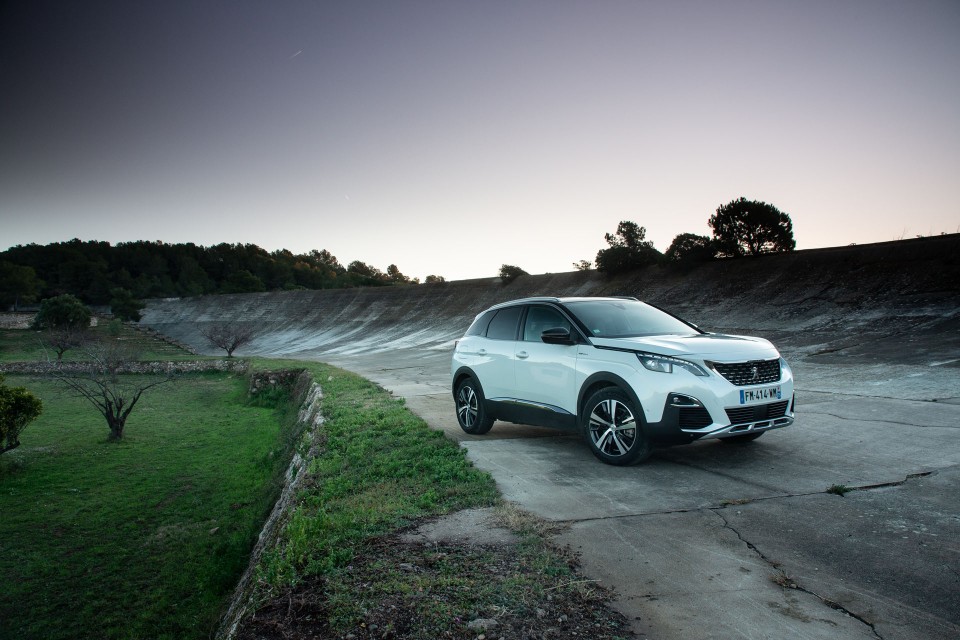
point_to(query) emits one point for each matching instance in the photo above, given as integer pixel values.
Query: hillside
(896, 300)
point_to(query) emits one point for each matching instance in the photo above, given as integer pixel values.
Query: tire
(612, 430)
(743, 439)
(471, 412)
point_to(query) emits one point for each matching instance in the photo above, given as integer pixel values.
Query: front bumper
(685, 419)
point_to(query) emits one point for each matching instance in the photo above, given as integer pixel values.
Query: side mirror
(558, 335)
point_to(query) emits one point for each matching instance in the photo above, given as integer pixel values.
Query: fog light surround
(683, 401)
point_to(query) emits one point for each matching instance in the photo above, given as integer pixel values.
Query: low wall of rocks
(10, 320)
(155, 368)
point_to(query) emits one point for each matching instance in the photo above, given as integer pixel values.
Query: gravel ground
(405, 589)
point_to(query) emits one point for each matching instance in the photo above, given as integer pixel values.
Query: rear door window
(504, 324)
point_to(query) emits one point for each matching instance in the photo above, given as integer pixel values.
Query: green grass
(382, 467)
(140, 539)
(339, 564)
(146, 538)
(27, 345)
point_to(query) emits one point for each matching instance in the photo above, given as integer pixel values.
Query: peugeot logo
(754, 373)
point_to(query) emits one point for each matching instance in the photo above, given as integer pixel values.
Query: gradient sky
(450, 137)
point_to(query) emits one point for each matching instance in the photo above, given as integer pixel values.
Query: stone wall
(10, 320)
(155, 368)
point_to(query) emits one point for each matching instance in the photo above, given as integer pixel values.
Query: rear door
(495, 354)
(546, 374)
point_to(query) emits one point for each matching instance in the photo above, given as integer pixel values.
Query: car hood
(706, 346)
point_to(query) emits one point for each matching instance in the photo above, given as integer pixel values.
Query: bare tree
(65, 338)
(228, 336)
(109, 380)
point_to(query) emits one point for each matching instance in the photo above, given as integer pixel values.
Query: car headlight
(665, 364)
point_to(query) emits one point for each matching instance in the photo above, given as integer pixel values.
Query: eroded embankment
(817, 301)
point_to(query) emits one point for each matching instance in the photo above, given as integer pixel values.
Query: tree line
(121, 275)
(740, 228)
(98, 272)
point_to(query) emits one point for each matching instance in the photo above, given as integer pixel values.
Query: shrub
(62, 312)
(18, 408)
(689, 247)
(509, 273)
(629, 249)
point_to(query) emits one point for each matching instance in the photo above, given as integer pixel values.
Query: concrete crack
(862, 419)
(738, 502)
(868, 396)
(895, 483)
(760, 485)
(787, 582)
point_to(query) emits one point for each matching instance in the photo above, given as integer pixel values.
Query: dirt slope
(899, 298)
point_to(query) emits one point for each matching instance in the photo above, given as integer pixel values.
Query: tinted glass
(539, 319)
(479, 326)
(504, 324)
(626, 318)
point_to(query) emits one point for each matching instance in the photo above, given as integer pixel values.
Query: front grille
(757, 413)
(694, 418)
(747, 373)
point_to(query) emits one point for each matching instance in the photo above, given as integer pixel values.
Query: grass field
(147, 537)
(25, 345)
(142, 538)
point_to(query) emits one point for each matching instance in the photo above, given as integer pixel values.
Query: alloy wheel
(613, 427)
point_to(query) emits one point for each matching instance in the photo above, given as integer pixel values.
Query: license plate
(749, 396)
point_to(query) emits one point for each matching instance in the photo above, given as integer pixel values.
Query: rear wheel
(471, 414)
(612, 429)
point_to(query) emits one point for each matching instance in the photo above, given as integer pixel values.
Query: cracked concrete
(887, 554)
(691, 575)
(788, 582)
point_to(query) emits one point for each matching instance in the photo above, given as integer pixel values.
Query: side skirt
(539, 415)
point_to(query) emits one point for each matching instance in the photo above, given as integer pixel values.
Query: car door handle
(482, 352)
(523, 355)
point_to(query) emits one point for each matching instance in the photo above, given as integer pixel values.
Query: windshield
(626, 319)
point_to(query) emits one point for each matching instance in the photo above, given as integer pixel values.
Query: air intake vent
(758, 413)
(694, 418)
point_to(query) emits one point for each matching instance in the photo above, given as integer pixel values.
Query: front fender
(606, 379)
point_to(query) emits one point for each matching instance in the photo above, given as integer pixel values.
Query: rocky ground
(418, 587)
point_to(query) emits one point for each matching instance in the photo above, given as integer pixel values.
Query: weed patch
(428, 591)
(839, 489)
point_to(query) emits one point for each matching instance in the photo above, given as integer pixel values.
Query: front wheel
(471, 414)
(612, 429)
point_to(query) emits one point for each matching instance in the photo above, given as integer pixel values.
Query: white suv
(626, 374)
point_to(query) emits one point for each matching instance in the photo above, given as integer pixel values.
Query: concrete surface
(471, 527)
(712, 540)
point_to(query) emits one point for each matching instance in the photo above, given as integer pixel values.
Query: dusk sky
(451, 137)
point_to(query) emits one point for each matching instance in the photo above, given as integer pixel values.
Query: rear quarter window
(479, 326)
